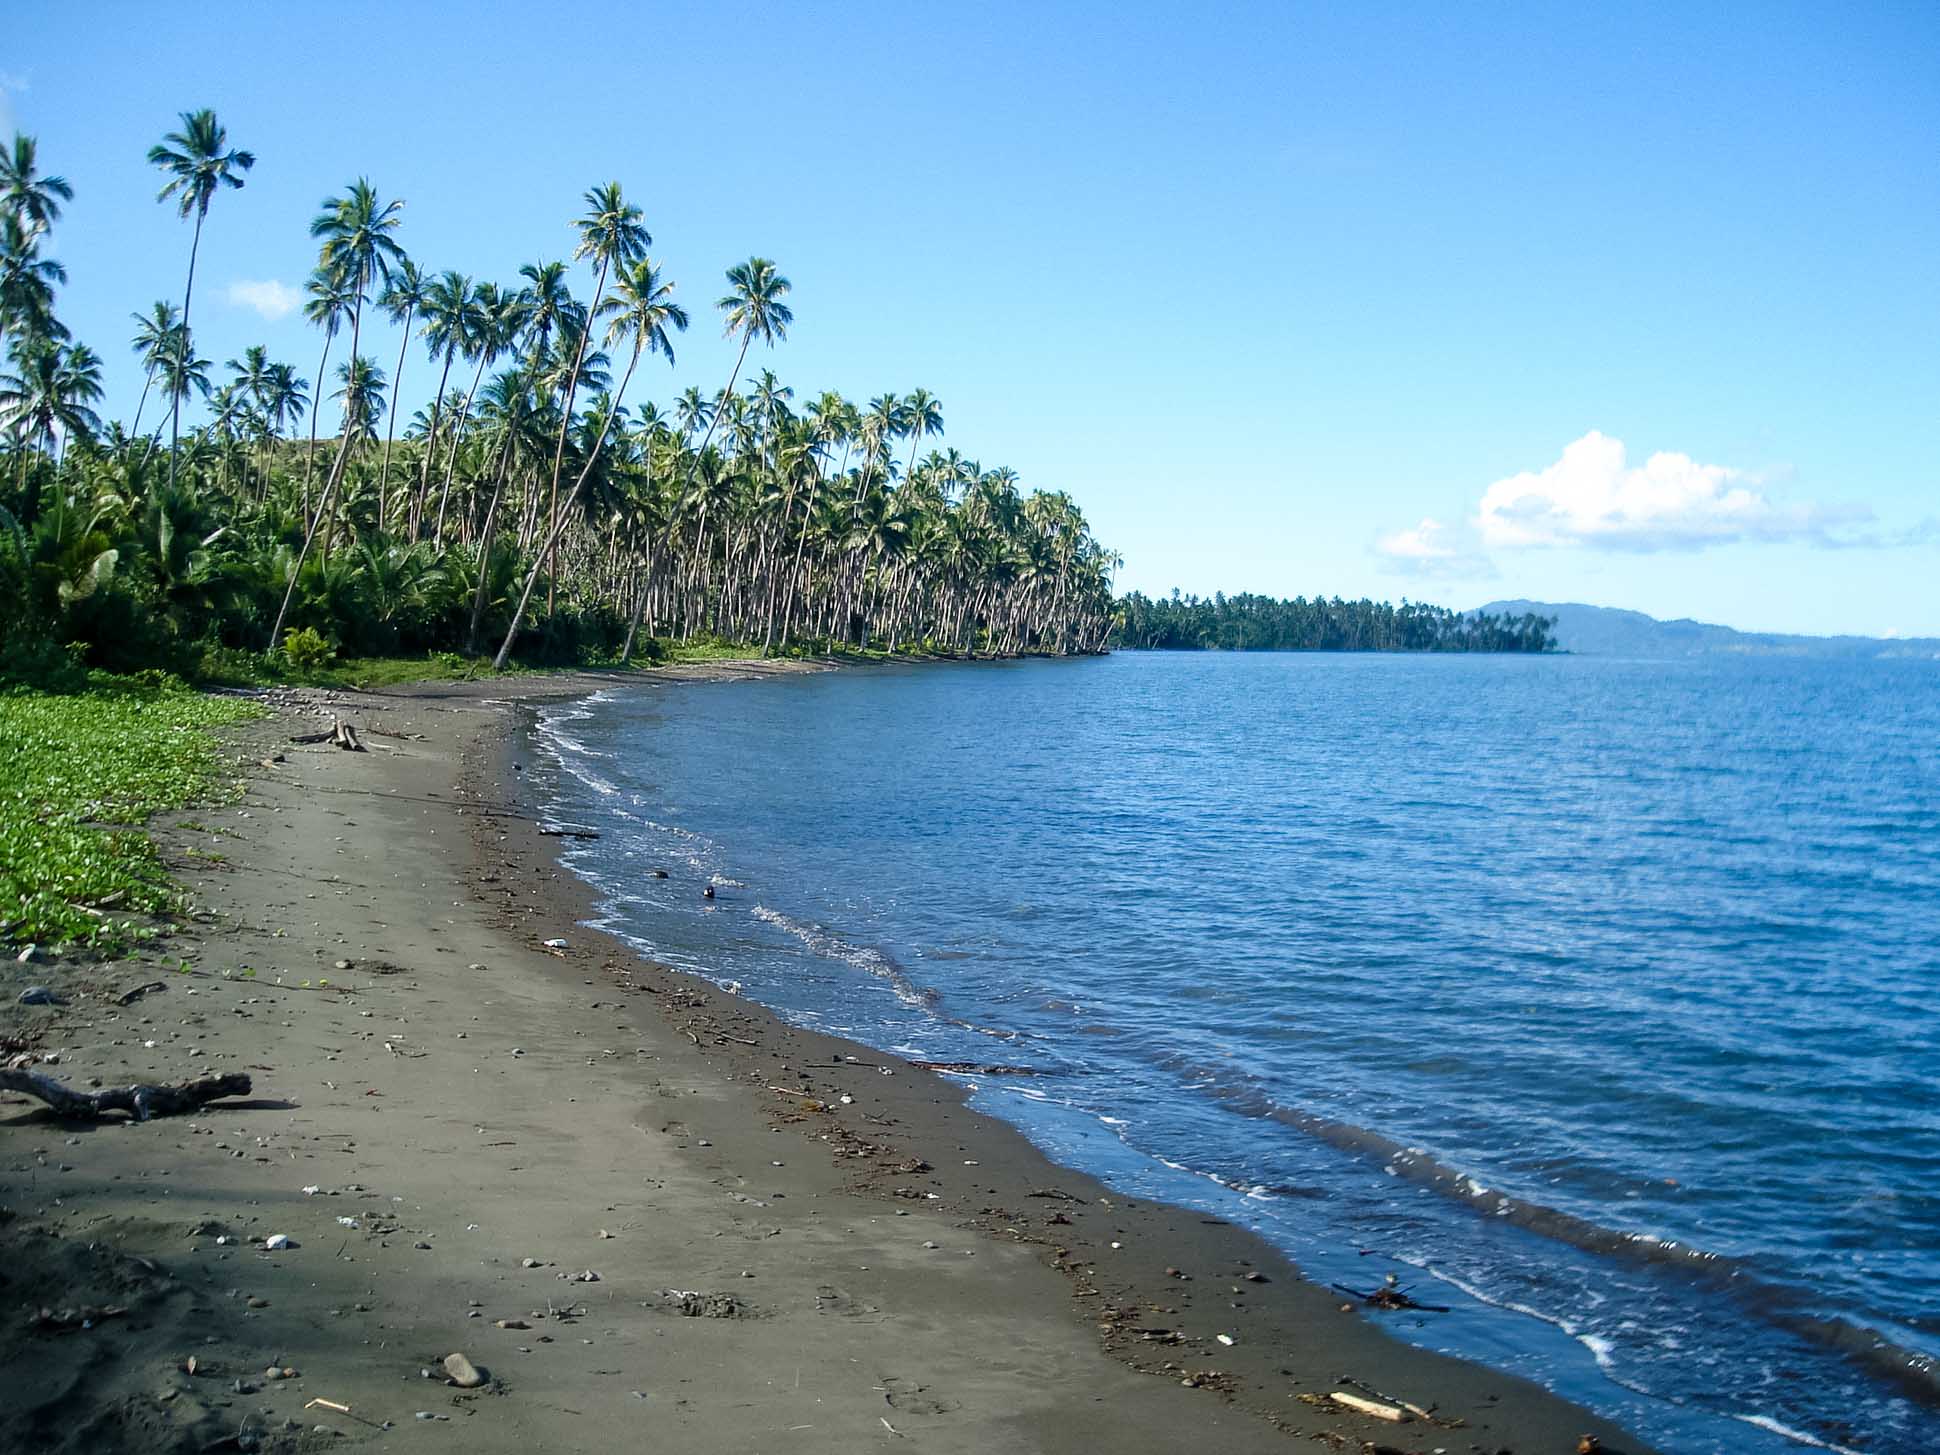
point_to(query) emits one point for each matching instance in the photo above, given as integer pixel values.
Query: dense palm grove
(533, 502)
(1262, 623)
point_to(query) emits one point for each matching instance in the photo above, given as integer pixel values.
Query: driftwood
(565, 831)
(1372, 1407)
(139, 1101)
(341, 734)
(129, 997)
(1390, 1296)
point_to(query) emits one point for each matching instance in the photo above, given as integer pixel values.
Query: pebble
(462, 1372)
(40, 995)
(277, 1242)
(33, 955)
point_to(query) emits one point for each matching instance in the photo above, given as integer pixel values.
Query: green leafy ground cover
(78, 772)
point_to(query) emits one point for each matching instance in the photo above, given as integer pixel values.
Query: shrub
(306, 650)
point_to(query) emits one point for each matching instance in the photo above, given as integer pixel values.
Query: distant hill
(1606, 631)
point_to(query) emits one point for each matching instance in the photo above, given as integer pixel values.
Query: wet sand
(650, 1213)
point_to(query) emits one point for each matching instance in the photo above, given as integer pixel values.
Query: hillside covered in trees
(1248, 623)
(533, 500)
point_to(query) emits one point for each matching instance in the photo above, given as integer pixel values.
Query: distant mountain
(1607, 631)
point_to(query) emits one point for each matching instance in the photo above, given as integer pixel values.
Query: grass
(78, 772)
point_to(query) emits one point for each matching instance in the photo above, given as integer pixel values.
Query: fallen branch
(129, 997)
(140, 1101)
(1379, 1411)
(562, 831)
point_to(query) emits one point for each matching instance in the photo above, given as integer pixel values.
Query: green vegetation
(1262, 623)
(77, 770)
(530, 505)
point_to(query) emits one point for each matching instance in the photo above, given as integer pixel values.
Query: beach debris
(567, 831)
(33, 955)
(1374, 1407)
(71, 1320)
(143, 1102)
(659, 873)
(277, 1242)
(40, 995)
(1391, 1295)
(1257, 1277)
(328, 1404)
(554, 944)
(340, 735)
(462, 1372)
(1227, 1339)
(129, 997)
(1589, 1445)
(693, 1304)
(510, 1324)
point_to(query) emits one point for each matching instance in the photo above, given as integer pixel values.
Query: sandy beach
(649, 1214)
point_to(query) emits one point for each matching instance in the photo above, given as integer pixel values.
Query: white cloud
(273, 300)
(1593, 496)
(1433, 549)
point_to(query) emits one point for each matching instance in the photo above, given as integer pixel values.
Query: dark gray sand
(648, 1214)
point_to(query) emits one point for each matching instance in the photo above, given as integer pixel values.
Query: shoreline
(839, 1209)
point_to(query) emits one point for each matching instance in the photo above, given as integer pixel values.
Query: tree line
(533, 501)
(1248, 623)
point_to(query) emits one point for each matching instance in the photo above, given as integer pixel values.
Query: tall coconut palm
(359, 251)
(644, 311)
(448, 310)
(199, 162)
(611, 231)
(154, 342)
(496, 320)
(402, 297)
(27, 281)
(48, 396)
(328, 307)
(36, 200)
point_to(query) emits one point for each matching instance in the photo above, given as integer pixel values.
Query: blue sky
(1638, 307)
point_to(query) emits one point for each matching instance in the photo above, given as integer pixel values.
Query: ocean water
(1596, 998)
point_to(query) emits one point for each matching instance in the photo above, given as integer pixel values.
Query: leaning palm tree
(199, 163)
(448, 309)
(358, 249)
(402, 297)
(644, 310)
(34, 199)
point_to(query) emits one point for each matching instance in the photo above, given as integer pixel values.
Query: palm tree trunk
(181, 349)
(451, 458)
(566, 420)
(316, 407)
(430, 450)
(390, 427)
(485, 545)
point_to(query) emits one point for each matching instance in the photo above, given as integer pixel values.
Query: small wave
(1786, 1432)
(833, 947)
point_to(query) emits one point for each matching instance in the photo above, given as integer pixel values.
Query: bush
(306, 650)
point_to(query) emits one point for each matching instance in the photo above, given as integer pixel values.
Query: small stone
(1257, 1278)
(462, 1372)
(928, 1244)
(252, 1303)
(343, 964)
(277, 1242)
(511, 1323)
(33, 955)
(422, 1246)
(40, 995)
(528, 1263)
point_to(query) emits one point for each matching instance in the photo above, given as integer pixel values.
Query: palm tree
(34, 199)
(612, 231)
(49, 394)
(448, 310)
(496, 319)
(154, 342)
(199, 163)
(362, 394)
(402, 297)
(27, 281)
(358, 250)
(643, 310)
(329, 305)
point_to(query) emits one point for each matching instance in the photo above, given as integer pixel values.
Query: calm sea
(1595, 998)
